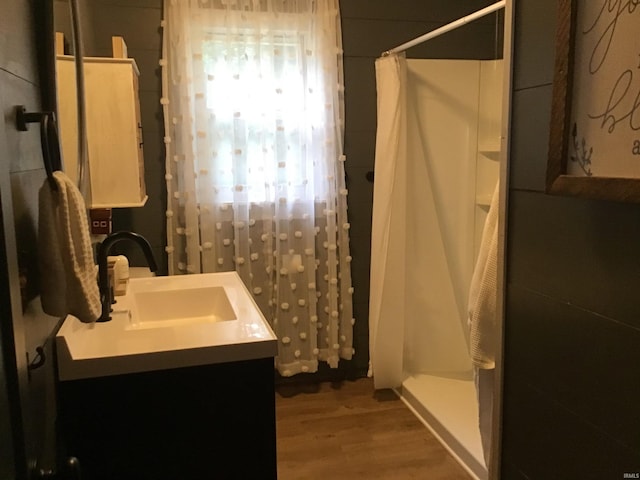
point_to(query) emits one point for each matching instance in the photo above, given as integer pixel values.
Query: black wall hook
(38, 360)
(369, 176)
(23, 118)
(49, 140)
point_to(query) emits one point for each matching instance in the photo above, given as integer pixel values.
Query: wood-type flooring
(342, 431)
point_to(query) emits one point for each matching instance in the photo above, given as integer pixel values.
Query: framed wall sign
(594, 147)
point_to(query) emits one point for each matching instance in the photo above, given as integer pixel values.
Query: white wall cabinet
(114, 129)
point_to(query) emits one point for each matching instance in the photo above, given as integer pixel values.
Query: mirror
(137, 22)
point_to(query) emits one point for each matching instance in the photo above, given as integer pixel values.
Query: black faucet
(106, 293)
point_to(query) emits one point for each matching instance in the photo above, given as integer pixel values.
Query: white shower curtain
(386, 304)
(422, 235)
(254, 118)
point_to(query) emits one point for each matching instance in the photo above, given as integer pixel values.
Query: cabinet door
(27, 409)
(143, 189)
(112, 133)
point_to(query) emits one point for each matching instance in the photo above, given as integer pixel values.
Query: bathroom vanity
(178, 385)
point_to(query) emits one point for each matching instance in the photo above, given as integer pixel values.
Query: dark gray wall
(62, 23)
(370, 27)
(572, 327)
(30, 401)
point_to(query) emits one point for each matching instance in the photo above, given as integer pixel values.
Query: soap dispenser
(118, 274)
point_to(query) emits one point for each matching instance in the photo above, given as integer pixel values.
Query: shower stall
(431, 199)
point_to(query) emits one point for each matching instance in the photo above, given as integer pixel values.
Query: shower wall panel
(454, 144)
(489, 142)
(441, 184)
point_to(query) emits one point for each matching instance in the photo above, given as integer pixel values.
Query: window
(260, 115)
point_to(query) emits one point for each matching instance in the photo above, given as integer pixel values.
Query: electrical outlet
(100, 221)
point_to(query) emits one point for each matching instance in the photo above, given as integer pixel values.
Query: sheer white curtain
(254, 117)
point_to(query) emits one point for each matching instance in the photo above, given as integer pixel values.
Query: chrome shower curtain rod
(447, 28)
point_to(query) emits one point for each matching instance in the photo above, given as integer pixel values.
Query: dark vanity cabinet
(204, 422)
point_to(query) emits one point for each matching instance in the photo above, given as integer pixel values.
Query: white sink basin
(168, 322)
(159, 308)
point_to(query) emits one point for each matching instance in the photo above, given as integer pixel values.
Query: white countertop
(121, 346)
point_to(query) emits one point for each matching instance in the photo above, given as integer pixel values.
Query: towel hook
(49, 140)
(38, 360)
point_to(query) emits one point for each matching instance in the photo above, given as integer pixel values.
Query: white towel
(483, 293)
(67, 269)
(53, 292)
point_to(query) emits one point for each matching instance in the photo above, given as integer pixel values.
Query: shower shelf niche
(489, 149)
(491, 155)
(489, 143)
(483, 200)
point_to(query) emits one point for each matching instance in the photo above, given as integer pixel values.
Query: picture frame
(594, 143)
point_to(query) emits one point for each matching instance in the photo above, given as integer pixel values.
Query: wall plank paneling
(572, 331)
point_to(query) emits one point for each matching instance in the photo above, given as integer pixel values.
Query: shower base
(448, 407)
